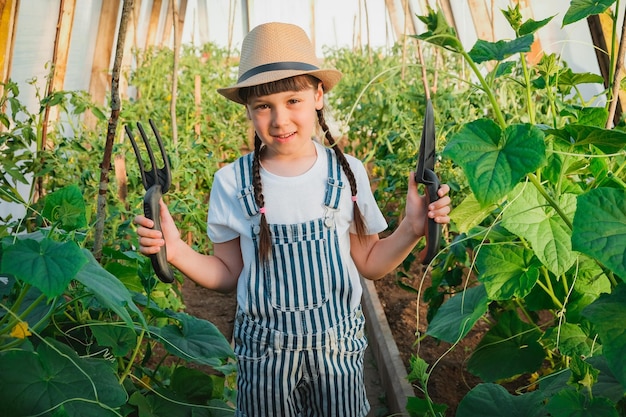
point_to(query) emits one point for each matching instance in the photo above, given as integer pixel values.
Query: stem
(521, 307)
(131, 361)
(486, 89)
(612, 68)
(547, 287)
(565, 283)
(619, 63)
(550, 200)
(16, 305)
(529, 100)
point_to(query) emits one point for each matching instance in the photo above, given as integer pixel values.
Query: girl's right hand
(150, 240)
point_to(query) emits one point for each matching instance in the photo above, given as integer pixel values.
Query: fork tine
(153, 174)
(165, 173)
(142, 170)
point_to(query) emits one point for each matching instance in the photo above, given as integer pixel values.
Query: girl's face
(286, 121)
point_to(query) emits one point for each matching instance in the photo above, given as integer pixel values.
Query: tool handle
(152, 211)
(433, 234)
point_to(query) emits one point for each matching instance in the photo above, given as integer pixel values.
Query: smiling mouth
(285, 136)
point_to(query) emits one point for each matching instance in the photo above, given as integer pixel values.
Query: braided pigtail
(359, 223)
(265, 241)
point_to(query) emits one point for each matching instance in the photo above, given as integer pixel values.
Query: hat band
(277, 66)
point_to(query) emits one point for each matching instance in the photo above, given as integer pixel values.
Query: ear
(319, 97)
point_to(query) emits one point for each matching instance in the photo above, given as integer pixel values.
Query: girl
(294, 224)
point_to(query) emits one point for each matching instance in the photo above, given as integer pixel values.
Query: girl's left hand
(418, 211)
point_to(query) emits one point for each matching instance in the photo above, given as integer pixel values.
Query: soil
(448, 382)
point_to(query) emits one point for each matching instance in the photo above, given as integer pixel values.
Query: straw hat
(273, 51)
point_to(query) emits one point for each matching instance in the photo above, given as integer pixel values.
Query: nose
(279, 116)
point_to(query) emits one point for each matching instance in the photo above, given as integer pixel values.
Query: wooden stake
(59, 63)
(100, 80)
(153, 25)
(105, 167)
(8, 19)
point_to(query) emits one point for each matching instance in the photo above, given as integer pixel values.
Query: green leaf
(575, 404)
(508, 349)
(98, 113)
(587, 116)
(469, 213)
(108, 290)
(608, 315)
(504, 68)
(582, 9)
(419, 369)
(421, 407)
(119, 338)
(495, 161)
(507, 271)
(569, 339)
(47, 265)
(607, 140)
(529, 216)
(165, 404)
(590, 282)
(193, 385)
(500, 50)
(195, 340)
(456, 317)
(599, 228)
(532, 26)
(607, 386)
(36, 382)
(567, 79)
(583, 374)
(492, 400)
(67, 207)
(439, 32)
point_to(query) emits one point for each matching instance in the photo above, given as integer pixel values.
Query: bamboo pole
(153, 24)
(60, 54)
(8, 24)
(617, 75)
(405, 8)
(174, 7)
(55, 83)
(167, 28)
(105, 167)
(367, 27)
(99, 81)
(197, 98)
(393, 18)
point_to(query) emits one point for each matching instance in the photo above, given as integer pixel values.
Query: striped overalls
(299, 345)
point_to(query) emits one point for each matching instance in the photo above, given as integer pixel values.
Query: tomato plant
(80, 337)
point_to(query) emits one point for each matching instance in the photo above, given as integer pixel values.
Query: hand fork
(156, 182)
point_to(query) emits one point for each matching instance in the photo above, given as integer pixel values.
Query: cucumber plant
(542, 235)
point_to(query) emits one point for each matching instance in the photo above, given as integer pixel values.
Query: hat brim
(328, 77)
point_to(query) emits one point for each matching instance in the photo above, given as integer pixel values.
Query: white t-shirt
(291, 200)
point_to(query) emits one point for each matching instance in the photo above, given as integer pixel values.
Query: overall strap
(334, 184)
(243, 172)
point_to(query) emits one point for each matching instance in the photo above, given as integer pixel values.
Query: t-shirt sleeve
(374, 220)
(221, 226)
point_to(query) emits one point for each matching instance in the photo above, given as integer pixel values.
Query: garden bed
(449, 382)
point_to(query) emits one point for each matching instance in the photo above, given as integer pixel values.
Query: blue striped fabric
(299, 345)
